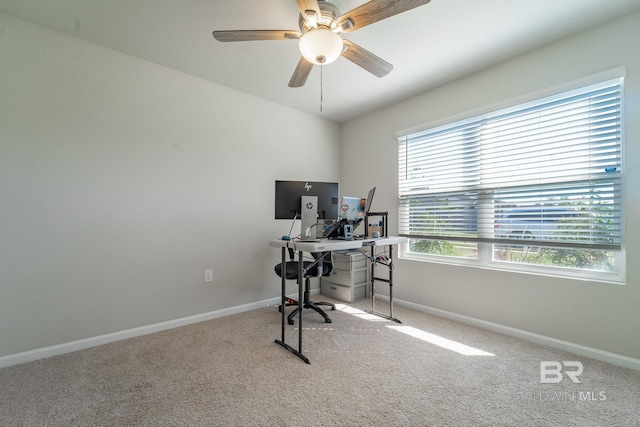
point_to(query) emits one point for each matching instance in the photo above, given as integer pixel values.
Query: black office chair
(311, 270)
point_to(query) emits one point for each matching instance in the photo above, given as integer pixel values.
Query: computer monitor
(288, 196)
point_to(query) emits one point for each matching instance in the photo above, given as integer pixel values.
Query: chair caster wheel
(291, 322)
(333, 308)
(279, 309)
(327, 320)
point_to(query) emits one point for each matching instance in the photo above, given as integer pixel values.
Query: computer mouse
(286, 238)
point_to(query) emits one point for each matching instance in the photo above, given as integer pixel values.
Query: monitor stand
(309, 214)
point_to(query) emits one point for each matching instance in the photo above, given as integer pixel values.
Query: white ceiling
(428, 46)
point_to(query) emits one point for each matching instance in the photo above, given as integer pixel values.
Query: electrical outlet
(208, 276)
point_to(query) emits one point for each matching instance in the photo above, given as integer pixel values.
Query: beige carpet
(364, 372)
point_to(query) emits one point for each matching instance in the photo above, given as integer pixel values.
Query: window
(533, 187)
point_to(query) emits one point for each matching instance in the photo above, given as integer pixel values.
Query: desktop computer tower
(309, 215)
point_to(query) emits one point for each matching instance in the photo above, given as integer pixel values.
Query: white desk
(325, 245)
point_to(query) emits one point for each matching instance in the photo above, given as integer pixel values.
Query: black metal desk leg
(300, 297)
(282, 342)
(283, 299)
(391, 284)
(389, 281)
(373, 280)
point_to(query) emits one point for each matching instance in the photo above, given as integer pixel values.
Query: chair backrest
(292, 265)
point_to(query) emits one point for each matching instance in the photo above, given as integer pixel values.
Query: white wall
(597, 315)
(122, 181)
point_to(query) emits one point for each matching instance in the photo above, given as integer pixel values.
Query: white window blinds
(548, 170)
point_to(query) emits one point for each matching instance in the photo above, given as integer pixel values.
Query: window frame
(485, 250)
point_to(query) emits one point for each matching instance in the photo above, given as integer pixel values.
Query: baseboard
(55, 350)
(593, 353)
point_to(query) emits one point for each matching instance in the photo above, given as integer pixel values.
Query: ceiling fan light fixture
(321, 46)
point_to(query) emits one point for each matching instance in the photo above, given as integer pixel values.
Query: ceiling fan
(319, 37)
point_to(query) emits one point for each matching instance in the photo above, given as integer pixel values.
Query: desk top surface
(335, 245)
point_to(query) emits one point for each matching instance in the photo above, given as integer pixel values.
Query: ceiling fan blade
(252, 35)
(367, 60)
(302, 71)
(374, 11)
(309, 6)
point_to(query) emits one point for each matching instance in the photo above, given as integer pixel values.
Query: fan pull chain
(321, 87)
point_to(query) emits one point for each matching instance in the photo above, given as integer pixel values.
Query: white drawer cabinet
(349, 280)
